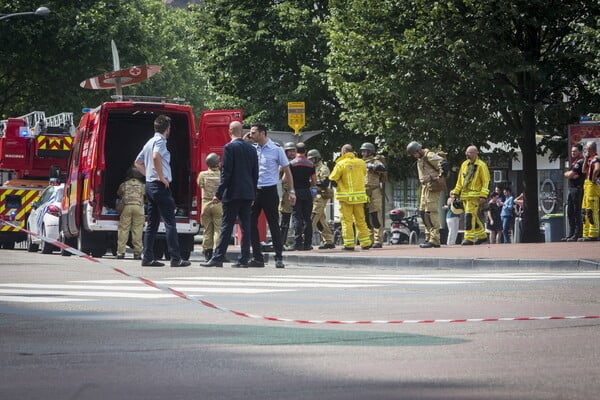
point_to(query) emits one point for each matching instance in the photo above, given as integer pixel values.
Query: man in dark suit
(237, 191)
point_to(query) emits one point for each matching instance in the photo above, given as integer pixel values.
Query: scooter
(403, 229)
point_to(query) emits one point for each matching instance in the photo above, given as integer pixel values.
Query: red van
(106, 143)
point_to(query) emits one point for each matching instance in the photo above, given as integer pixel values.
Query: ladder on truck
(38, 123)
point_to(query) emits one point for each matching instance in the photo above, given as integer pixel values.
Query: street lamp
(40, 12)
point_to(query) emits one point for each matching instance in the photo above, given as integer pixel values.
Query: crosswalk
(202, 286)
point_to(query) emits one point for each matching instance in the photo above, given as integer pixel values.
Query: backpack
(440, 185)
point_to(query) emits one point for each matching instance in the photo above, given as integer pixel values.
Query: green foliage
(45, 58)
(260, 55)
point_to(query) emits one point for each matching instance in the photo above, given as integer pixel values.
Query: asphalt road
(74, 329)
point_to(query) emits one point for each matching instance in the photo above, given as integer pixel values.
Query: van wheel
(71, 242)
(98, 253)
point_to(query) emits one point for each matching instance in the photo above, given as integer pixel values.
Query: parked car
(45, 219)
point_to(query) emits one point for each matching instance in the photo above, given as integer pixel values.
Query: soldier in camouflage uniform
(132, 217)
(324, 194)
(285, 207)
(376, 177)
(212, 213)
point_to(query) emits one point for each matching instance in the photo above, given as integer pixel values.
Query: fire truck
(107, 141)
(33, 148)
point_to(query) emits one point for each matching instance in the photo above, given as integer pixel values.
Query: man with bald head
(237, 191)
(473, 188)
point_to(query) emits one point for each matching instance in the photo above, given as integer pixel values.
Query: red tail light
(54, 210)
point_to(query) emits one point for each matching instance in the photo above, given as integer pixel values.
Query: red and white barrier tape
(208, 304)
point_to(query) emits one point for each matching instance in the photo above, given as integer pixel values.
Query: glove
(313, 192)
(369, 165)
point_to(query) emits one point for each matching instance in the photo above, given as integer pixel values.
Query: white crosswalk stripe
(201, 286)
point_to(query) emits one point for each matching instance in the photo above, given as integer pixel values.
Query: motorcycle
(403, 229)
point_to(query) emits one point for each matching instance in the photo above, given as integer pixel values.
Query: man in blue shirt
(271, 157)
(154, 162)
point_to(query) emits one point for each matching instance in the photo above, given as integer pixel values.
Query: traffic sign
(296, 116)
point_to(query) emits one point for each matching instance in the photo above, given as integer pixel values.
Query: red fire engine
(32, 148)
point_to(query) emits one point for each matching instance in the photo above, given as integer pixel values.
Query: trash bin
(554, 227)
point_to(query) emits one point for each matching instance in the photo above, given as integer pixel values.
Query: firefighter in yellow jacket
(591, 193)
(349, 174)
(212, 213)
(472, 186)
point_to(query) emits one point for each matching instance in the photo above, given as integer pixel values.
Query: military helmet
(212, 160)
(457, 207)
(368, 146)
(313, 153)
(413, 147)
(289, 146)
(135, 173)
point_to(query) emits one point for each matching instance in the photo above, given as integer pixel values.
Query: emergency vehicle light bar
(160, 99)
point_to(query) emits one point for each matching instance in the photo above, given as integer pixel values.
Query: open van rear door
(214, 133)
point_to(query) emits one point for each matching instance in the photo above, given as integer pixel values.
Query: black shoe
(307, 248)
(348, 248)
(212, 263)
(256, 264)
(137, 257)
(180, 263)
(366, 247)
(467, 243)
(120, 256)
(152, 263)
(239, 264)
(428, 245)
(279, 264)
(588, 239)
(573, 238)
(481, 241)
(327, 246)
(377, 246)
(565, 239)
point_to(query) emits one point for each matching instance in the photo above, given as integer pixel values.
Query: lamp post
(40, 12)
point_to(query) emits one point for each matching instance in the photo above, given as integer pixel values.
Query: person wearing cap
(473, 188)
(285, 207)
(374, 181)
(429, 167)
(324, 194)
(212, 213)
(131, 218)
(349, 174)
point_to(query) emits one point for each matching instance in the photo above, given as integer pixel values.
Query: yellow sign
(296, 116)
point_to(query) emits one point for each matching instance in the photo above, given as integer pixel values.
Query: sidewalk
(559, 255)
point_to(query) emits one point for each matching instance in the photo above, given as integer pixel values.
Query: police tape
(208, 304)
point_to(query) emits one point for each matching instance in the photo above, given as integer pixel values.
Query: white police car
(45, 219)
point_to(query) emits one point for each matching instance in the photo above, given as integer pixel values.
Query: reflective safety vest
(349, 174)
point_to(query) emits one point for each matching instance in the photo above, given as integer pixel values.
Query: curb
(322, 260)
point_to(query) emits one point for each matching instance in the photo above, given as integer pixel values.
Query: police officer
(376, 177)
(132, 218)
(285, 207)
(212, 213)
(324, 193)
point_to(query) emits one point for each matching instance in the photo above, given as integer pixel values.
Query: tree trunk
(530, 230)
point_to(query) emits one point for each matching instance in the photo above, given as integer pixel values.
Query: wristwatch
(292, 191)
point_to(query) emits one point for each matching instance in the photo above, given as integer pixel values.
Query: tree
(262, 54)
(45, 59)
(463, 72)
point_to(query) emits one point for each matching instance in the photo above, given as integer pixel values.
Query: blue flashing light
(86, 110)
